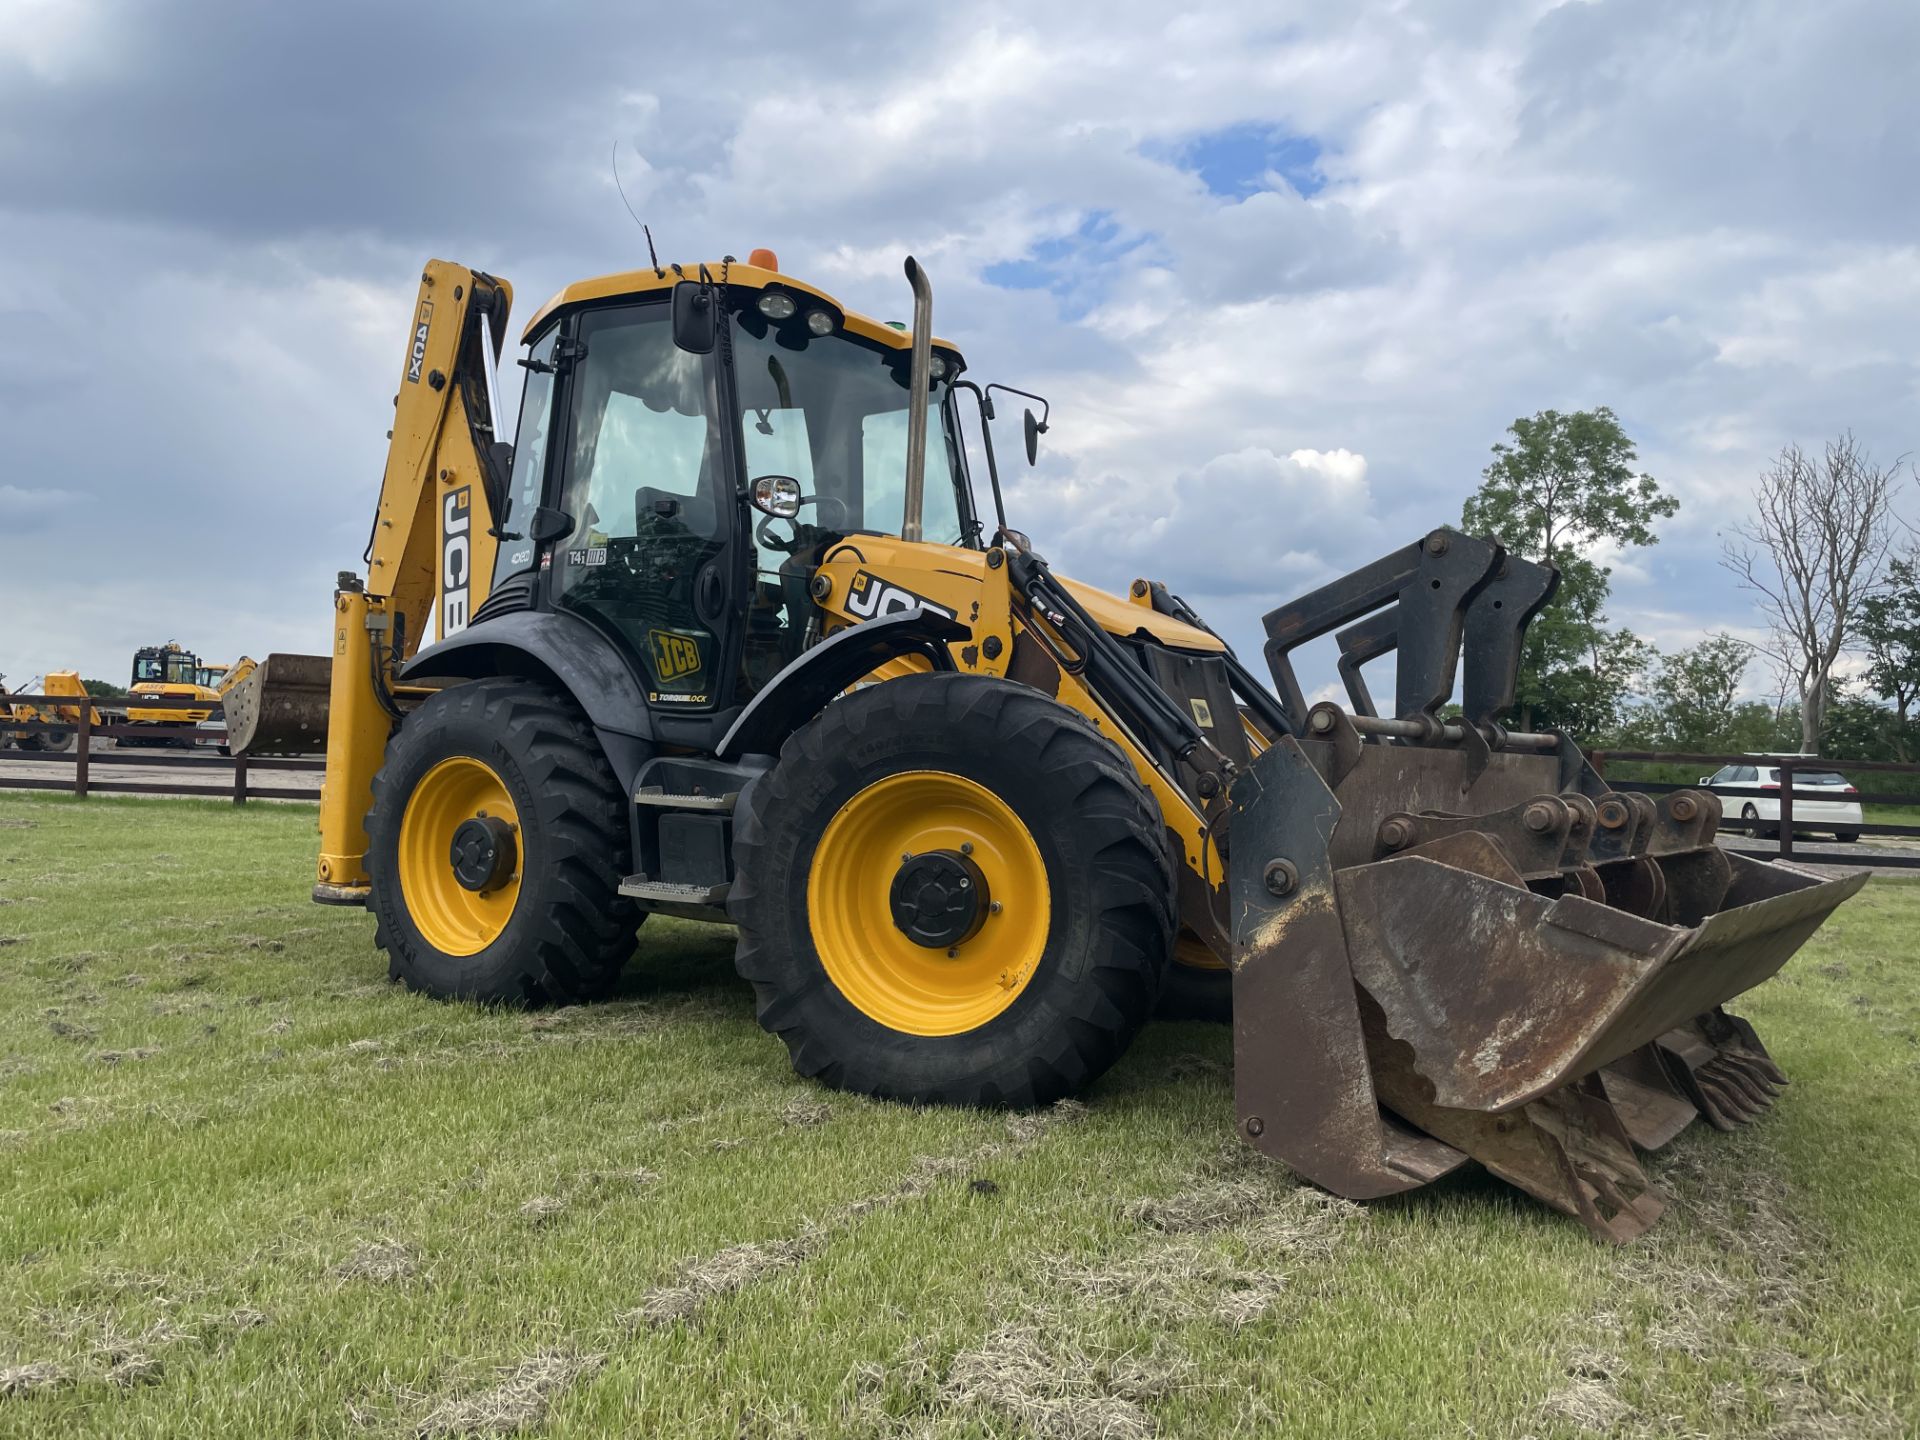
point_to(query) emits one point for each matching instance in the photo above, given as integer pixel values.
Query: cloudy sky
(1286, 270)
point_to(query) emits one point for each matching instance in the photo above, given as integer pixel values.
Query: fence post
(1786, 810)
(239, 779)
(83, 742)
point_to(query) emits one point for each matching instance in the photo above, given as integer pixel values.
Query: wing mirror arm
(1035, 427)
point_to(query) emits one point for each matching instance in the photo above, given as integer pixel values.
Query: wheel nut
(1281, 877)
(1539, 817)
(1396, 832)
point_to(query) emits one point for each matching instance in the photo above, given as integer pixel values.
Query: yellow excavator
(725, 632)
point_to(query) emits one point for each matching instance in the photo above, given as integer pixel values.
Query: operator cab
(636, 458)
(165, 665)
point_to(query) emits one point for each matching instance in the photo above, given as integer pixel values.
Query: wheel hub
(939, 899)
(483, 853)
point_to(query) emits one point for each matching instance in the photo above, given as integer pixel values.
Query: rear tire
(527, 755)
(1750, 821)
(1847, 837)
(1095, 888)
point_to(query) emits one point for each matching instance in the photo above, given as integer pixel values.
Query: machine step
(655, 795)
(639, 887)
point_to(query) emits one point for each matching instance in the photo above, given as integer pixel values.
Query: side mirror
(1704, 780)
(695, 323)
(775, 495)
(1035, 429)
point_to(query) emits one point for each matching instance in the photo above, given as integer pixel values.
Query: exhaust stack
(919, 377)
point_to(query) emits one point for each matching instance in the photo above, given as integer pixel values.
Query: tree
(1559, 487)
(103, 689)
(1890, 630)
(1697, 702)
(1814, 553)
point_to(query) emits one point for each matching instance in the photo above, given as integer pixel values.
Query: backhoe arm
(430, 563)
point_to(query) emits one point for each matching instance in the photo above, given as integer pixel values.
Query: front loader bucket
(1454, 942)
(1398, 1013)
(281, 708)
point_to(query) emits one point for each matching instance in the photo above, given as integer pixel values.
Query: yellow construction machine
(174, 673)
(724, 633)
(20, 712)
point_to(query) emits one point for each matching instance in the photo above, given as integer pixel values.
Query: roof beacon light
(763, 258)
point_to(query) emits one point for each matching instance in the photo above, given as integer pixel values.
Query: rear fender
(563, 652)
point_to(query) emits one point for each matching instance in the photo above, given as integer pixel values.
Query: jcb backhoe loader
(18, 712)
(723, 634)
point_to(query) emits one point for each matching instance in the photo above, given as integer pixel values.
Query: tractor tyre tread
(572, 932)
(1075, 789)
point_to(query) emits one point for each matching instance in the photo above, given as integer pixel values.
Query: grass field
(248, 1188)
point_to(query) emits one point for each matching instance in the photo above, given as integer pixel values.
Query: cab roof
(742, 276)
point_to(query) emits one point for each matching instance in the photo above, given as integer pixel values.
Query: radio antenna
(651, 254)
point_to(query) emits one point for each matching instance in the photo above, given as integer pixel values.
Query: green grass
(1893, 814)
(248, 1188)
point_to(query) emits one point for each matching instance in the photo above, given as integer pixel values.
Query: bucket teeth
(1719, 1063)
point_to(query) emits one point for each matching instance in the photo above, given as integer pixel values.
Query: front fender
(804, 688)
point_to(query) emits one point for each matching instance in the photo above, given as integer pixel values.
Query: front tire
(496, 848)
(950, 786)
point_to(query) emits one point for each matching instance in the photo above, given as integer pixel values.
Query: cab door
(649, 483)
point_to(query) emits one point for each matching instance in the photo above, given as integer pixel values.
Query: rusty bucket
(1443, 955)
(281, 708)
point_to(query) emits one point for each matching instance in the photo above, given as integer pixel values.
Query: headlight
(938, 368)
(777, 306)
(819, 322)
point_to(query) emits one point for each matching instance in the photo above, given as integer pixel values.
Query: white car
(1750, 799)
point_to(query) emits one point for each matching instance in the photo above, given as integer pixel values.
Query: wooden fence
(193, 761)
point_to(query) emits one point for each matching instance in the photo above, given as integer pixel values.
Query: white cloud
(1703, 218)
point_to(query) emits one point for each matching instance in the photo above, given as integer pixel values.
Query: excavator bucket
(281, 708)
(1455, 942)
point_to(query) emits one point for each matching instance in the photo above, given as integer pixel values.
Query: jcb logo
(674, 656)
(417, 357)
(869, 596)
(456, 561)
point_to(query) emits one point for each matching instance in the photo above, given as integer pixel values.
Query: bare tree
(1814, 553)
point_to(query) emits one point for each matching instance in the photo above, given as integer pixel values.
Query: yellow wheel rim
(890, 978)
(450, 917)
(1190, 950)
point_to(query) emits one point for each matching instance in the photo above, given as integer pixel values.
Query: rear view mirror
(776, 495)
(1035, 429)
(694, 321)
